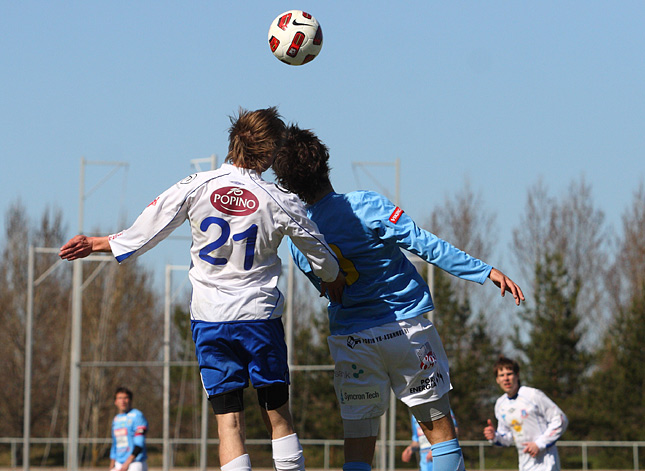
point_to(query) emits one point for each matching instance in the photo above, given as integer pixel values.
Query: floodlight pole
(75, 343)
(28, 360)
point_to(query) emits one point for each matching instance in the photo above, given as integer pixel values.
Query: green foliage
(555, 360)
(471, 352)
(617, 397)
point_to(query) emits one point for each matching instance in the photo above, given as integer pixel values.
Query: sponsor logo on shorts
(427, 357)
(427, 383)
(353, 341)
(342, 374)
(396, 214)
(355, 373)
(360, 395)
(153, 202)
(234, 201)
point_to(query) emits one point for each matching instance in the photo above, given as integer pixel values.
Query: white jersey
(237, 222)
(530, 416)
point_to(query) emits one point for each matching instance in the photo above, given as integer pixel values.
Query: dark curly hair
(301, 164)
(254, 137)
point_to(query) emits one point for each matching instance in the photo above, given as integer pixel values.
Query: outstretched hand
(506, 284)
(81, 246)
(335, 288)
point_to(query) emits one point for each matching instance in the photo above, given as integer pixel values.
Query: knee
(274, 396)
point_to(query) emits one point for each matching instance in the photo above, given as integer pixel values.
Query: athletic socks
(447, 456)
(357, 466)
(287, 454)
(241, 463)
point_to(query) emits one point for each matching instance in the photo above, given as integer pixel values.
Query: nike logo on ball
(295, 23)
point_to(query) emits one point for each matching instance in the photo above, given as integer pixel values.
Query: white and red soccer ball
(295, 37)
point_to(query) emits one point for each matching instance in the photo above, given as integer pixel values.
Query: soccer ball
(295, 37)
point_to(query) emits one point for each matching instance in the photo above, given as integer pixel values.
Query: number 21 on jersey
(250, 234)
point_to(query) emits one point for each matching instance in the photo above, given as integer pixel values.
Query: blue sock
(357, 466)
(446, 456)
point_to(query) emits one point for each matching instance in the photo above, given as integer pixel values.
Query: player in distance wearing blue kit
(380, 338)
(129, 429)
(237, 222)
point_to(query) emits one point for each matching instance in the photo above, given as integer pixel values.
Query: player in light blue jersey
(380, 337)
(129, 429)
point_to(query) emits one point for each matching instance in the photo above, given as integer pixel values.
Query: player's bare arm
(81, 246)
(506, 284)
(335, 288)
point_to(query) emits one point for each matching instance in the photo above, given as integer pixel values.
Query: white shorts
(547, 460)
(406, 356)
(134, 466)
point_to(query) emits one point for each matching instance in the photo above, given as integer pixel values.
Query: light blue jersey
(128, 430)
(367, 233)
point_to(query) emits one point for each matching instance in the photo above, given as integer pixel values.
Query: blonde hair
(254, 137)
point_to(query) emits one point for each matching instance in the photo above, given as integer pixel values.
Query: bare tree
(49, 323)
(573, 229)
(461, 313)
(629, 268)
(121, 321)
(620, 374)
(462, 220)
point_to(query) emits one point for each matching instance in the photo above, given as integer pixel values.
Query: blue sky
(500, 93)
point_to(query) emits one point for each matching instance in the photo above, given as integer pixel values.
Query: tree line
(579, 336)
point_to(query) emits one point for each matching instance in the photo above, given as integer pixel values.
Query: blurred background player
(527, 418)
(420, 446)
(129, 429)
(380, 338)
(237, 222)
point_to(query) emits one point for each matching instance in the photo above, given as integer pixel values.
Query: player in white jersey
(237, 222)
(526, 418)
(381, 340)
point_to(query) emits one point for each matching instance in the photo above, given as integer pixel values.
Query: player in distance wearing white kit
(526, 418)
(237, 222)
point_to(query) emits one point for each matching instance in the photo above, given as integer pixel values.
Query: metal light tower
(77, 310)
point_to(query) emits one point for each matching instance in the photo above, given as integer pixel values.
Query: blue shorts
(231, 353)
